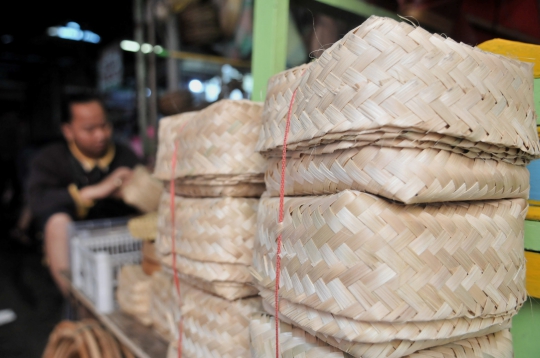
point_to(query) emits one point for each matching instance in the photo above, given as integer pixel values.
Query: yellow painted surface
(517, 50)
(533, 213)
(533, 273)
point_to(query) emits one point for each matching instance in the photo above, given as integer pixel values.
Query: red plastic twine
(173, 239)
(281, 216)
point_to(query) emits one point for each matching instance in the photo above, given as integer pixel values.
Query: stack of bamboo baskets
(217, 181)
(416, 147)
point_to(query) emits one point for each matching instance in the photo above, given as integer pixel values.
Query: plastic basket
(99, 248)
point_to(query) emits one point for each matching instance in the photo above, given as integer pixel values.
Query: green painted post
(269, 43)
(532, 235)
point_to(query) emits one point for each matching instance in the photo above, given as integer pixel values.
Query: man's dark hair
(76, 99)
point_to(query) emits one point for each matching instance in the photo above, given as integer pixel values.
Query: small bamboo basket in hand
(142, 190)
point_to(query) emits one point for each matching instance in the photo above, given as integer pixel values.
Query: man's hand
(108, 186)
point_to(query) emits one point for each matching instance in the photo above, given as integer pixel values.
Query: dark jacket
(55, 168)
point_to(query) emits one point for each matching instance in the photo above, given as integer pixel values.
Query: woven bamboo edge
(343, 328)
(144, 227)
(217, 230)
(214, 327)
(278, 98)
(389, 73)
(142, 190)
(164, 305)
(295, 342)
(406, 139)
(212, 191)
(218, 140)
(245, 185)
(228, 290)
(360, 256)
(225, 289)
(402, 174)
(209, 271)
(221, 179)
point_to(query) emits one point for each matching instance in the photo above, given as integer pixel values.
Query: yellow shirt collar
(88, 163)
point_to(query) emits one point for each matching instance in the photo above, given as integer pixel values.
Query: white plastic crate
(99, 248)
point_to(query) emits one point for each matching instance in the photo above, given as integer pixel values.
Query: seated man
(78, 179)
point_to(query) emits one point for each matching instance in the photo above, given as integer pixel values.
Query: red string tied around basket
(282, 214)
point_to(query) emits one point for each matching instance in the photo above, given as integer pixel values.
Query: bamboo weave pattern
(389, 74)
(164, 305)
(169, 128)
(210, 229)
(428, 333)
(407, 139)
(296, 343)
(359, 256)
(218, 140)
(407, 175)
(214, 327)
(210, 271)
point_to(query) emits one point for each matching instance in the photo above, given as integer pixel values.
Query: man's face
(89, 129)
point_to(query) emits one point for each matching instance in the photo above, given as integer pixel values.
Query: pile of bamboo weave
(406, 187)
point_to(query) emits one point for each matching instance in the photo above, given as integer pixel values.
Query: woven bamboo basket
(296, 343)
(389, 74)
(133, 292)
(142, 190)
(220, 140)
(164, 305)
(144, 227)
(404, 174)
(427, 333)
(356, 255)
(217, 230)
(214, 327)
(209, 271)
